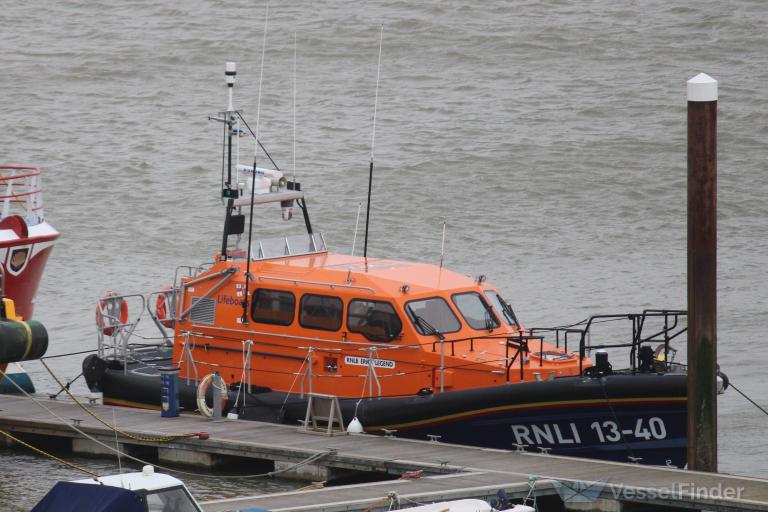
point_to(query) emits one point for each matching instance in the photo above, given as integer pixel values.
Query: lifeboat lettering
(546, 434)
(227, 299)
(363, 361)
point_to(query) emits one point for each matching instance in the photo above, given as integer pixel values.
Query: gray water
(551, 135)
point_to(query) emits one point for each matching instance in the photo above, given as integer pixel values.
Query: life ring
(202, 389)
(162, 305)
(111, 313)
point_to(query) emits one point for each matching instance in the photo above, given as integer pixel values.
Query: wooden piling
(702, 273)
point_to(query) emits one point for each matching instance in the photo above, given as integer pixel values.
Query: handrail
(24, 189)
(121, 332)
(666, 334)
(225, 274)
(332, 286)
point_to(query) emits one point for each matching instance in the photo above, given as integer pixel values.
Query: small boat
(144, 491)
(404, 348)
(26, 238)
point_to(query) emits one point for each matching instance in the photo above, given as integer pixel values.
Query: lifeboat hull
(621, 417)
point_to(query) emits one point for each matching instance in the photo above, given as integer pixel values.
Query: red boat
(26, 239)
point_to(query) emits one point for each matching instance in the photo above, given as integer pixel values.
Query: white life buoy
(202, 389)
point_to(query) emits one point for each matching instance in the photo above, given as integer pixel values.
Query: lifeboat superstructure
(418, 325)
(403, 346)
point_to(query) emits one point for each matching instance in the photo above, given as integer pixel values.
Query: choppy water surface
(550, 134)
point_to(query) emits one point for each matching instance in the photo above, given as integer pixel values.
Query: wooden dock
(450, 471)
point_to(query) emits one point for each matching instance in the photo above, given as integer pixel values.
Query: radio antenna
(357, 220)
(255, 154)
(442, 245)
(294, 106)
(373, 140)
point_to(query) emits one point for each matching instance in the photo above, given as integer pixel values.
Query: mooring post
(702, 273)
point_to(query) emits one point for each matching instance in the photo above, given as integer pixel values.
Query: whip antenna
(357, 220)
(255, 154)
(373, 140)
(294, 106)
(442, 245)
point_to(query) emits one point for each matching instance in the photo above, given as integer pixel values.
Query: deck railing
(21, 193)
(669, 326)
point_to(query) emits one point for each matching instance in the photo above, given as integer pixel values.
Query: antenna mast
(230, 71)
(253, 182)
(442, 245)
(227, 193)
(357, 220)
(294, 106)
(373, 140)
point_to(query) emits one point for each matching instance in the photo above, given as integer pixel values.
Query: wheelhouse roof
(385, 276)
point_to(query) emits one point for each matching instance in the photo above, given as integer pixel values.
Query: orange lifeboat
(403, 346)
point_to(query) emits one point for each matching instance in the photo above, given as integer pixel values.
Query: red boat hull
(22, 262)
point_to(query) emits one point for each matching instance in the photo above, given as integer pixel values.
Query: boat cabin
(307, 317)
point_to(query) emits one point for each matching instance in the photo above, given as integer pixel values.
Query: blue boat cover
(74, 497)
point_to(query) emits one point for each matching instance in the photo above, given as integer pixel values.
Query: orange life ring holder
(111, 308)
(162, 305)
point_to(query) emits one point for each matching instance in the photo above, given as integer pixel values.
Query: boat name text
(606, 432)
(363, 361)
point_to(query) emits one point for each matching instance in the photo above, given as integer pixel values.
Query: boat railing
(115, 328)
(665, 325)
(21, 193)
(292, 245)
(516, 347)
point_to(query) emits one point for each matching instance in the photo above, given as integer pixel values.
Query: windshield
(175, 499)
(432, 316)
(501, 307)
(475, 311)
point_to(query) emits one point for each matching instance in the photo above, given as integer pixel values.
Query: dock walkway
(473, 471)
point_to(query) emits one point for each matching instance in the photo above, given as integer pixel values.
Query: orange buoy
(162, 305)
(111, 313)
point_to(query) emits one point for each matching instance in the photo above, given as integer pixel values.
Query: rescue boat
(408, 349)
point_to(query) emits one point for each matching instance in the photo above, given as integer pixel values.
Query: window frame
(394, 311)
(253, 304)
(144, 493)
(487, 306)
(416, 326)
(341, 317)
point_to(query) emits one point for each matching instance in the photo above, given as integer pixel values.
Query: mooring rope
(730, 384)
(312, 458)
(146, 439)
(49, 455)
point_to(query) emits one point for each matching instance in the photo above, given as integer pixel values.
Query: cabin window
(375, 320)
(273, 307)
(432, 316)
(322, 312)
(501, 307)
(475, 311)
(174, 498)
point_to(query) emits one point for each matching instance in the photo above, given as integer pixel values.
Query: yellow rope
(49, 455)
(158, 439)
(313, 485)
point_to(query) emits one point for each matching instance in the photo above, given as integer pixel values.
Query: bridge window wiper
(426, 327)
(508, 312)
